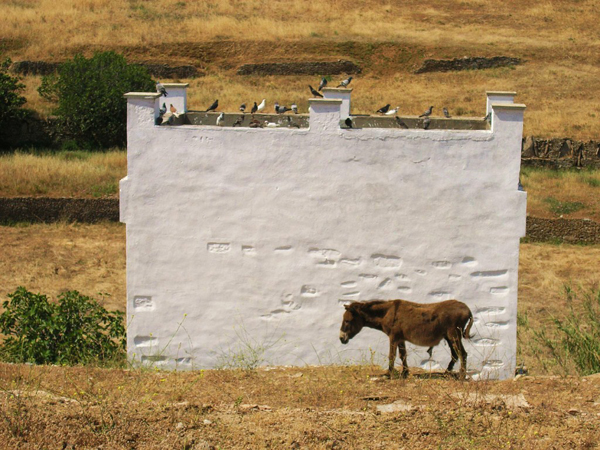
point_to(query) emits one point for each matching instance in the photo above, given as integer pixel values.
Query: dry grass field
(557, 39)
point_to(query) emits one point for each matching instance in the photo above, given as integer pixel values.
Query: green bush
(91, 106)
(10, 100)
(76, 330)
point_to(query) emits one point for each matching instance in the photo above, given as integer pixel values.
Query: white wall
(256, 237)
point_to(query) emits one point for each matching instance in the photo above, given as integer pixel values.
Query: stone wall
(301, 68)
(467, 63)
(560, 153)
(30, 209)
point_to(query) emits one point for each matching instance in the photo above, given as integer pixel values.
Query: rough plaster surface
(245, 243)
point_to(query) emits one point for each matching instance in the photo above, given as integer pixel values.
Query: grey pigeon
(385, 109)
(277, 107)
(295, 108)
(348, 122)
(323, 83)
(214, 106)
(446, 113)
(161, 89)
(346, 82)
(283, 109)
(163, 109)
(427, 113)
(254, 108)
(238, 122)
(426, 123)
(313, 92)
(488, 118)
(243, 107)
(401, 122)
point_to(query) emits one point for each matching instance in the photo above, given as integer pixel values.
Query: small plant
(76, 330)
(575, 341)
(560, 208)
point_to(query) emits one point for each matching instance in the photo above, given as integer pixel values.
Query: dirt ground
(316, 408)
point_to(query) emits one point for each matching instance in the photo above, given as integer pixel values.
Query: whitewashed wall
(241, 240)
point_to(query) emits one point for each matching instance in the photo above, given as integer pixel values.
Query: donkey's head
(352, 322)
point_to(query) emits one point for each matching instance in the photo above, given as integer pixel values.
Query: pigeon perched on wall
(488, 118)
(323, 83)
(426, 123)
(384, 109)
(262, 105)
(214, 106)
(446, 113)
(243, 107)
(427, 113)
(220, 118)
(238, 122)
(392, 112)
(348, 122)
(172, 109)
(313, 92)
(401, 123)
(346, 82)
(255, 123)
(276, 107)
(283, 109)
(295, 108)
(161, 89)
(163, 109)
(254, 108)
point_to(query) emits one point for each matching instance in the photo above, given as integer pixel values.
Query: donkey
(421, 324)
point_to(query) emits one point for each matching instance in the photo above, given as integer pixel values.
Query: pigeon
(238, 122)
(163, 109)
(392, 112)
(426, 122)
(427, 113)
(348, 122)
(488, 118)
(270, 124)
(446, 113)
(254, 123)
(243, 107)
(295, 108)
(214, 106)
(254, 108)
(276, 107)
(283, 109)
(158, 120)
(401, 122)
(385, 109)
(292, 124)
(313, 92)
(323, 83)
(161, 89)
(173, 109)
(220, 118)
(346, 82)
(262, 105)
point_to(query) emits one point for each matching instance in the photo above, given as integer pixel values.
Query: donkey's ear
(347, 307)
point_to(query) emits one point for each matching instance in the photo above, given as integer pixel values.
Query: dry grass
(316, 408)
(65, 174)
(557, 38)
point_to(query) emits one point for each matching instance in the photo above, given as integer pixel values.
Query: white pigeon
(220, 118)
(392, 112)
(262, 105)
(270, 124)
(295, 108)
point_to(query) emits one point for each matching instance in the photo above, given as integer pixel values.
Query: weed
(561, 208)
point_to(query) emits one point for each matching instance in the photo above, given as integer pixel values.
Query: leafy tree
(91, 106)
(76, 330)
(10, 100)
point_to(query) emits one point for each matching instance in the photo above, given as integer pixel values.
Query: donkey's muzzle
(344, 338)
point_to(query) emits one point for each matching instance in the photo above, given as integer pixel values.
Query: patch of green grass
(105, 189)
(560, 208)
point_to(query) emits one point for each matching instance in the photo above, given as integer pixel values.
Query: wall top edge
(501, 93)
(332, 101)
(142, 95)
(508, 106)
(332, 89)
(176, 85)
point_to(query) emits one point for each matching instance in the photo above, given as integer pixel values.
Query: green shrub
(91, 106)
(76, 330)
(10, 100)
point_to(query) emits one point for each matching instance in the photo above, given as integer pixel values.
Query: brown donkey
(421, 324)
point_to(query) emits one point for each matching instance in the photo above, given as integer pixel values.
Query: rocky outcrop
(560, 153)
(467, 63)
(300, 68)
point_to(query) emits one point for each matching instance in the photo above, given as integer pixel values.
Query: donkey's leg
(453, 353)
(392, 357)
(462, 353)
(402, 350)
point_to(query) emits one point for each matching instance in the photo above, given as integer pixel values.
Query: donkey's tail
(466, 332)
